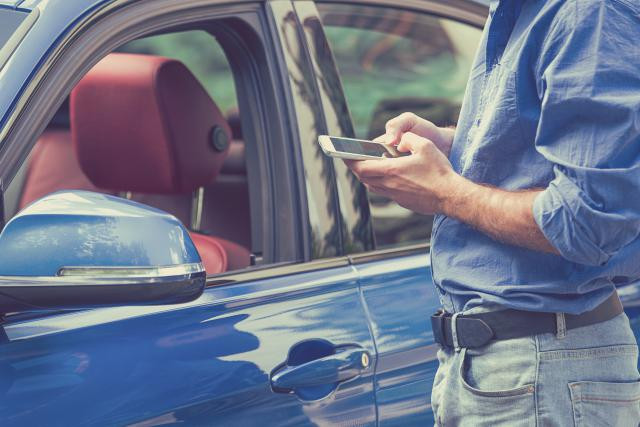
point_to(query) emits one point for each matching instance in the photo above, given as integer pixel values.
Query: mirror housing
(78, 249)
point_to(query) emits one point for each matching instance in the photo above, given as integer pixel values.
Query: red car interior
(53, 166)
(143, 124)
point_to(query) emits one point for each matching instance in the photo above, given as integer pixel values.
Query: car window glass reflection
(391, 61)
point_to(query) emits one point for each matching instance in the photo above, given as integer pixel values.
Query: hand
(420, 182)
(409, 122)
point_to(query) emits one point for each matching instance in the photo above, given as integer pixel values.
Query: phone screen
(355, 146)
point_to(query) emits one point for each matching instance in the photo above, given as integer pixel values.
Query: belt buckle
(437, 326)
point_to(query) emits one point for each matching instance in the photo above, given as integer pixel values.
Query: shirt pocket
(605, 403)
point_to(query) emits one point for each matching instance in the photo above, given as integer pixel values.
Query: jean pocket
(605, 403)
(520, 388)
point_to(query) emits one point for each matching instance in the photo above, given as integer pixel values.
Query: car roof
(30, 4)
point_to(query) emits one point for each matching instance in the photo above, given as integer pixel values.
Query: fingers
(411, 142)
(366, 169)
(377, 190)
(350, 163)
(399, 125)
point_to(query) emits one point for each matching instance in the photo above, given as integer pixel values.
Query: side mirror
(77, 249)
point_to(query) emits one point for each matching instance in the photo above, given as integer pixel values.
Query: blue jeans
(581, 377)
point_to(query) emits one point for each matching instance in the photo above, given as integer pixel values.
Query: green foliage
(201, 53)
(400, 71)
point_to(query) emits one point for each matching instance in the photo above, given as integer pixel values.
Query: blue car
(176, 248)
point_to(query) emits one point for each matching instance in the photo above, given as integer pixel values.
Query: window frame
(98, 34)
(464, 11)
(353, 206)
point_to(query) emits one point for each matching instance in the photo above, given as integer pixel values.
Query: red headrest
(144, 123)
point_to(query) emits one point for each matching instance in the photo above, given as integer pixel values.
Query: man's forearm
(506, 216)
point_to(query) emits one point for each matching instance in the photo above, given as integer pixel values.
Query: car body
(325, 329)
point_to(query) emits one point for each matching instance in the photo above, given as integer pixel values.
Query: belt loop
(454, 331)
(561, 326)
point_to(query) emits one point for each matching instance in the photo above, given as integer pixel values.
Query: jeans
(581, 377)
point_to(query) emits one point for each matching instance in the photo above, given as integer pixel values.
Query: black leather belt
(479, 329)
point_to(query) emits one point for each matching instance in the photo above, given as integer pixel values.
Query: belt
(479, 329)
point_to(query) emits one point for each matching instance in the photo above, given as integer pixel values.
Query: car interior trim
(197, 205)
(255, 99)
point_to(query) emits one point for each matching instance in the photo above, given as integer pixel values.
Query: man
(537, 203)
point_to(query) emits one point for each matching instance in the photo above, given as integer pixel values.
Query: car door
(286, 342)
(393, 59)
(209, 362)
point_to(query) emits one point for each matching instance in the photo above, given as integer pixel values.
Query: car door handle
(346, 363)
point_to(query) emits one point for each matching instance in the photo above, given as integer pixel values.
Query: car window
(391, 61)
(172, 121)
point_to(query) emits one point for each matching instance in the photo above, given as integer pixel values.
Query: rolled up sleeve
(589, 128)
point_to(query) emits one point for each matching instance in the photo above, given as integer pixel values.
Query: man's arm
(506, 216)
(437, 189)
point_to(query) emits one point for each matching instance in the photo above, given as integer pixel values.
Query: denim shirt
(553, 103)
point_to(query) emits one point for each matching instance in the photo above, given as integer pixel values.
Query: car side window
(391, 61)
(205, 58)
(155, 122)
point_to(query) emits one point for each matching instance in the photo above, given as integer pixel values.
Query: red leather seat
(144, 124)
(213, 254)
(53, 166)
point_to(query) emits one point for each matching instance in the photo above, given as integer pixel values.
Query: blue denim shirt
(553, 102)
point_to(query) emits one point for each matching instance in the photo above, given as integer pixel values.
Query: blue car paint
(400, 297)
(201, 363)
(81, 228)
(55, 19)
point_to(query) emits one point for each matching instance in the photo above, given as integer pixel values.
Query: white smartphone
(356, 149)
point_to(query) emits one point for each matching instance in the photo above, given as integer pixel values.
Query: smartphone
(356, 149)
